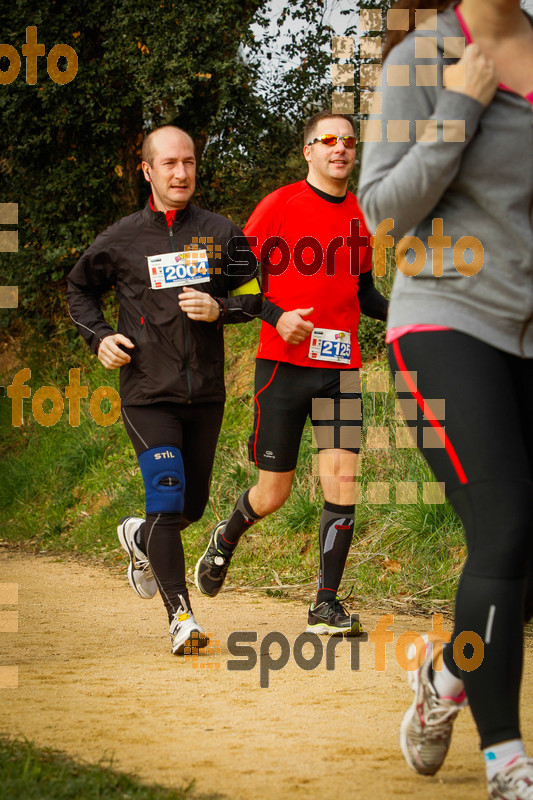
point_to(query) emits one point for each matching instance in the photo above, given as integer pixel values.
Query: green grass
(31, 773)
(63, 489)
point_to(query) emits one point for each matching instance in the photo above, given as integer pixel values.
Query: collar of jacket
(159, 216)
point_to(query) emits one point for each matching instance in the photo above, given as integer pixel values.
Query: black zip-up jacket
(175, 358)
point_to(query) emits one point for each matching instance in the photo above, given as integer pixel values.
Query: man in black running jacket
(180, 273)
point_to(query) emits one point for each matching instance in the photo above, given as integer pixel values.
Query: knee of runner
(271, 501)
(164, 479)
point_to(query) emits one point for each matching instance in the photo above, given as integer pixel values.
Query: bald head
(158, 138)
(169, 165)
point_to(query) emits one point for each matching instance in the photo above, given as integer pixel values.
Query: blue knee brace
(164, 479)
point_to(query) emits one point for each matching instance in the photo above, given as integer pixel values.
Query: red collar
(169, 215)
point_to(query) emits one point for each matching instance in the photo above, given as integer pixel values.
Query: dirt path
(96, 679)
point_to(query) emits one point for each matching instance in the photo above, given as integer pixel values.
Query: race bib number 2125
(330, 345)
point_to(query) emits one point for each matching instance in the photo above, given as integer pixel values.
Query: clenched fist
(292, 327)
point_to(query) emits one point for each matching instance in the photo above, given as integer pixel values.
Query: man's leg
(270, 493)
(199, 427)
(337, 419)
(149, 427)
(337, 470)
(280, 414)
(191, 433)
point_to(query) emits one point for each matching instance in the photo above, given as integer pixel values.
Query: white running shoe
(140, 573)
(426, 729)
(185, 632)
(514, 781)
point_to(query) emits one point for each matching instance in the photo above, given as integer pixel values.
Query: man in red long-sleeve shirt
(316, 262)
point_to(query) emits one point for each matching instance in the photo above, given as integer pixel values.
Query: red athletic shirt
(322, 274)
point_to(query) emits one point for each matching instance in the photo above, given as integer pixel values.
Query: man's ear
(307, 152)
(146, 171)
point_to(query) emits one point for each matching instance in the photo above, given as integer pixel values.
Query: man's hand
(473, 75)
(198, 305)
(109, 352)
(291, 326)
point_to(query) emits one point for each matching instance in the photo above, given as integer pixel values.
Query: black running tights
(194, 430)
(484, 456)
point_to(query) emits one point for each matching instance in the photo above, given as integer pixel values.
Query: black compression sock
(241, 519)
(335, 537)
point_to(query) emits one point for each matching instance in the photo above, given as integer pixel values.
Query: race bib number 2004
(330, 345)
(168, 270)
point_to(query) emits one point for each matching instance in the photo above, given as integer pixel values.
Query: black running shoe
(330, 617)
(210, 572)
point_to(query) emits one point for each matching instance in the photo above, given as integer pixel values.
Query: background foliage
(70, 153)
(239, 77)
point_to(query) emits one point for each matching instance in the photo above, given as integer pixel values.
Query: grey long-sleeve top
(480, 186)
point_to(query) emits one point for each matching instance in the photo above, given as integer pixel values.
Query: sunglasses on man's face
(329, 139)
